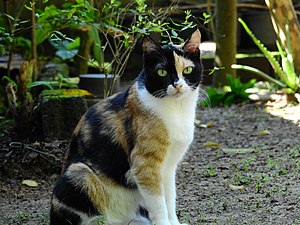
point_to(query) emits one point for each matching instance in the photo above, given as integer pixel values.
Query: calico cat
(124, 152)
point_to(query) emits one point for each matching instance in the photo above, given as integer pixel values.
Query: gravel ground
(243, 168)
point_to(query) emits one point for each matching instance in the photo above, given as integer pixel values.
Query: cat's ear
(150, 46)
(192, 45)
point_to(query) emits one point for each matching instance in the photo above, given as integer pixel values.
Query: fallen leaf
(210, 124)
(197, 122)
(204, 125)
(234, 151)
(235, 187)
(264, 132)
(213, 145)
(30, 183)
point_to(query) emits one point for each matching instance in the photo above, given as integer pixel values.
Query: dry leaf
(213, 145)
(210, 124)
(30, 183)
(203, 125)
(264, 132)
(233, 151)
(235, 187)
(197, 123)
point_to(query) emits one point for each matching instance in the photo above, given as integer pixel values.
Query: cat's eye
(162, 72)
(188, 70)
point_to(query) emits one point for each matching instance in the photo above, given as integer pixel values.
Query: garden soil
(242, 168)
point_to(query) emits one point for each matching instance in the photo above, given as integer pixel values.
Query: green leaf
(71, 13)
(229, 99)
(9, 17)
(9, 80)
(174, 33)
(97, 46)
(276, 66)
(259, 73)
(66, 54)
(46, 83)
(74, 44)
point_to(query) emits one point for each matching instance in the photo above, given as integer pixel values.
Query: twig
(22, 146)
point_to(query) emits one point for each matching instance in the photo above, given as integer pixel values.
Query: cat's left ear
(150, 46)
(192, 45)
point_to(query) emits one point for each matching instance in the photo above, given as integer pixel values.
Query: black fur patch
(163, 58)
(101, 153)
(66, 192)
(144, 212)
(109, 158)
(118, 102)
(64, 217)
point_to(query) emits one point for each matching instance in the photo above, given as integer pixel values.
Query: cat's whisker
(204, 97)
(159, 93)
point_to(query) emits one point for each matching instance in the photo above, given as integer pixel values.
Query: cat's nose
(177, 86)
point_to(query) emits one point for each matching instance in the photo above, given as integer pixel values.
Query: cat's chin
(179, 95)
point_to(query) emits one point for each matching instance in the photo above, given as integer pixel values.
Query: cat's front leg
(169, 183)
(147, 175)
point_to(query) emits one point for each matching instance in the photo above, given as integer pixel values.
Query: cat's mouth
(175, 92)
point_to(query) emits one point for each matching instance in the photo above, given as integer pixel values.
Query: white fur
(123, 204)
(177, 110)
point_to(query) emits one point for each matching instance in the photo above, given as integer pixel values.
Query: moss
(65, 93)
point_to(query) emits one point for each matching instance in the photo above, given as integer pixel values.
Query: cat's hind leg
(71, 201)
(60, 216)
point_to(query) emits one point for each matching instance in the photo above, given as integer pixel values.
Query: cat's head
(172, 70)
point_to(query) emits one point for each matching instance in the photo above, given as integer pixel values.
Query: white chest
(178, 117)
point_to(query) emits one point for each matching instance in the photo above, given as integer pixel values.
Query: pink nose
(177, 86)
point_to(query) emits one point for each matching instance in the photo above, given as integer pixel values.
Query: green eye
(188, 70)
(162, 72)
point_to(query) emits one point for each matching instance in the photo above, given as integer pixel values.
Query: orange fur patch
(151, 146)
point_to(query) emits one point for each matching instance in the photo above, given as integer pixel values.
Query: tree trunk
(34, 57)
(282, 12)
(226, 38)
(83, 55)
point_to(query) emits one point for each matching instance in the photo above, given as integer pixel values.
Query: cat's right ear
(150, 46)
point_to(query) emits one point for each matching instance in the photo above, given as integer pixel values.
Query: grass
(24, 218)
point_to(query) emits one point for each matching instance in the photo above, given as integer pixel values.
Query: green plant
(285, 71)
(246, 163)
(241, 179)
(57, 82)
(66, 48)
(112, 28)
(210, 172)
(261, 182)
(235, 92)
(21, 217)
(272, 164)
(295, 152)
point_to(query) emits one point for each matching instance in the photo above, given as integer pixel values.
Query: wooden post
(226, 39)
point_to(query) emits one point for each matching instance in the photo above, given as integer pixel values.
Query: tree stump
(60, 113)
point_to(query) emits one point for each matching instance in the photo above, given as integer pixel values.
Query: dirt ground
(243, 168)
